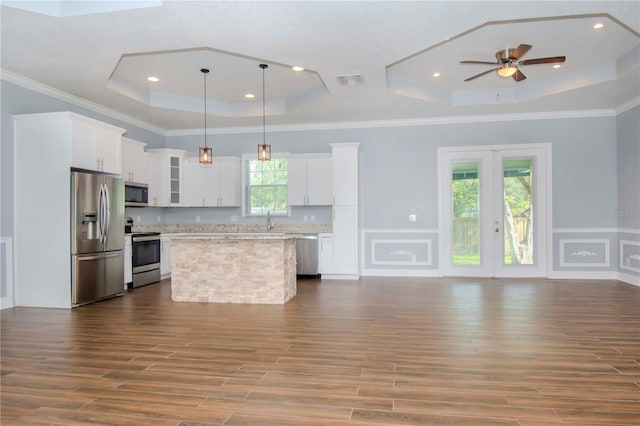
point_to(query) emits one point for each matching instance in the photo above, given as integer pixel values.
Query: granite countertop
(229, 236)
(291, 229)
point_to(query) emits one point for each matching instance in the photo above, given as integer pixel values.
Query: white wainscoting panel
(584, 253)
(401, 252)
(630, 255)
(6, 266)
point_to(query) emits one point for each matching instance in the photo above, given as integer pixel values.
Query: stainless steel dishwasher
(307, 255)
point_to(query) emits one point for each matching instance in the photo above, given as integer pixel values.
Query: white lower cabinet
(165, 257)
(128, 261)
(325, 256)
(345, 240)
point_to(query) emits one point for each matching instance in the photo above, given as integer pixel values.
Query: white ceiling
(396, 46)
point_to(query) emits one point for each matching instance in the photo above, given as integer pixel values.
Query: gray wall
(399, 164)
(595, 169)
(628, 208)
(15, 99)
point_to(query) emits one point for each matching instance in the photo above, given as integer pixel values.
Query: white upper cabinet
(230, 182)
(134, 164)
(345, 173)
(309, 180)
(166, 177)
(213, 185)
(95, 145)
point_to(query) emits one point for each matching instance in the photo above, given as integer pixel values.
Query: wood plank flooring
(378, 351)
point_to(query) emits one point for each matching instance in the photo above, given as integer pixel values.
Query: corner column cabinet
(309, 178)
(95, 145)
(166, 177)
(346, 214)
(46, 146)
(213, 185)
(134, 165)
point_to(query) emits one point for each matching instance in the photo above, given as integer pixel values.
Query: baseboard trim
(340, 276)
(401, 273)
(629, 279)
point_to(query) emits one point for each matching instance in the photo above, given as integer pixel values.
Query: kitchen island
(233, 267)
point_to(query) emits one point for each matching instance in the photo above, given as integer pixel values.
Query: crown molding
(487, 118)
(27, 83)
(628, 105)
(432, 121)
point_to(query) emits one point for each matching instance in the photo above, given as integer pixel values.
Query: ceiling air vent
(350, 79)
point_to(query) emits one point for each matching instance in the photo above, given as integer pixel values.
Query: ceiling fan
(508, 61)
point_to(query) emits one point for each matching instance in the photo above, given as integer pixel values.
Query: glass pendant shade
(264, 152)
(205, 155)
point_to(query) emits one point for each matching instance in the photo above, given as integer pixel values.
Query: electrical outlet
(305, 218)
(234, 218)
(313, 217)
(412, 218)
(138, 219)
(197, 218)
(158, 219)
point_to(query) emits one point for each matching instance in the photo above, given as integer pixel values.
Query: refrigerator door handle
(99, 224)
(98, 256)
(102, 218)
(107, 213)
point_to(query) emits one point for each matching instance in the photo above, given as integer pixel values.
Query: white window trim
(253, 156)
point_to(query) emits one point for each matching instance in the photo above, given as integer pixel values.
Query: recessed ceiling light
(598, 26)
(153, 79)
(249, 96)
(297, 68)
(436, 74)
(556, 66)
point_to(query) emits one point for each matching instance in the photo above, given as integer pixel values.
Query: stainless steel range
(146, 258)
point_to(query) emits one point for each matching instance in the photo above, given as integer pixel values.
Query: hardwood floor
(376, 351)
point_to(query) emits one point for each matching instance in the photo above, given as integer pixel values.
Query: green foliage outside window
(266, 187)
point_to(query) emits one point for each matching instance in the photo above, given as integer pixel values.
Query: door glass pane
(465, 188)
(518, 212)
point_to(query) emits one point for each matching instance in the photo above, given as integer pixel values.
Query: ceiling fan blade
(550, 60)
(480, 75)
(519, 51)
(519, 76)
(479, 62)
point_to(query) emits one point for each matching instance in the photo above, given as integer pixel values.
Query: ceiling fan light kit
(508, 62)
(507, 71)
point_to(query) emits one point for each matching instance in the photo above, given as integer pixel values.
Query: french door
(493, 211)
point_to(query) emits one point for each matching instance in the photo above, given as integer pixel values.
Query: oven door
(146, 253)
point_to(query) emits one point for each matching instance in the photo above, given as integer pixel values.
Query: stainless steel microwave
(136, 194)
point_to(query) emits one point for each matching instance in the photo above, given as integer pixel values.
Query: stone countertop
(297, 229)
(229, 236)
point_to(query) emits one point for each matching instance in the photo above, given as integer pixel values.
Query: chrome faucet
(269, 224)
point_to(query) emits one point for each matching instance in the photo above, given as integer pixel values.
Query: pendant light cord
(205, 71)
(264, 125)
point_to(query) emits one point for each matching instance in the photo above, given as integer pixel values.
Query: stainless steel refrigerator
(97, 237)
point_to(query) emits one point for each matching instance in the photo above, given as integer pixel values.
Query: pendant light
(205, 153)
(264, 149)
